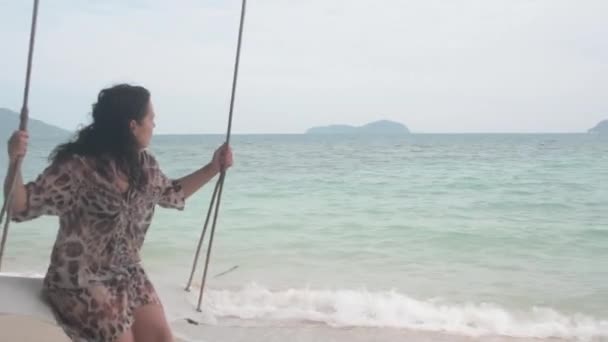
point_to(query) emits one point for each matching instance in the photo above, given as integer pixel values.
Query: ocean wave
(360, 308)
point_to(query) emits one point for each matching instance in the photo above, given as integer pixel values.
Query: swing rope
(220, 183)
(15, 167)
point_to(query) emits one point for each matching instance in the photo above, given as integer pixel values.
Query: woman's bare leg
(151, 324)
(127, 336)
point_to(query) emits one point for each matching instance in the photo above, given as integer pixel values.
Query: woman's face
(144, 129)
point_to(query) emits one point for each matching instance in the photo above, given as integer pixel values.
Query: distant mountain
(601, 127)
(376, 127)
(9, 122)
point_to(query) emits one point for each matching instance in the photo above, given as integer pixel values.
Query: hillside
(601, 127)
(9, 122)
(376, 127)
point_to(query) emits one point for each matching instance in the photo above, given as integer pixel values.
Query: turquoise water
(463, 234)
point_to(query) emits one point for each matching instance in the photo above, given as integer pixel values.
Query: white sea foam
(358, 308)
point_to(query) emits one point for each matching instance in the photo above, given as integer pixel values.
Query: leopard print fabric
(104, 311)
(94, 281)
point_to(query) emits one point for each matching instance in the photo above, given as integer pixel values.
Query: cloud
(516, 65)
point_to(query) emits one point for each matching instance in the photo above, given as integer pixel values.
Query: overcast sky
(436, 66)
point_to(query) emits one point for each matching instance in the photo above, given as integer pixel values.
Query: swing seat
(22, 296)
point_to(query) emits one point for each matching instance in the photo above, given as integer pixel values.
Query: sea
(420, 237)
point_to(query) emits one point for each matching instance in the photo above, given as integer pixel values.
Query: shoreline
(28, 329)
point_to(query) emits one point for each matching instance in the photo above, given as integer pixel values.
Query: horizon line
(315, 134)
(379, 134)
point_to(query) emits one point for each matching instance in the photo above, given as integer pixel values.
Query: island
(376, 127)
(9, 122)
(601, 127)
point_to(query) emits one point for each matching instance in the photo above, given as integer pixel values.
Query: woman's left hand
(222, 158)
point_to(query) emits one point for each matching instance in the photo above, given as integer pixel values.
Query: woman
(104, 187)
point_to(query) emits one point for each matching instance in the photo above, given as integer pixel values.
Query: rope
(200, 241)
(220, 183)
(16, 166)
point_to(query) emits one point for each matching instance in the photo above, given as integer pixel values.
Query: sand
(323, 333)
(25, 329)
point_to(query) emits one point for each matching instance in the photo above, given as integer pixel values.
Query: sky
(435, 66)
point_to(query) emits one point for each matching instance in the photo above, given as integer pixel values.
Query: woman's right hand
(17, 145)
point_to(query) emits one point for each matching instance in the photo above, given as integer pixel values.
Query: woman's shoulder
(148, 160)
(72, 163)
(61, 171)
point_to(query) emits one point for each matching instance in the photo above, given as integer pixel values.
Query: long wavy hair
(109, 136)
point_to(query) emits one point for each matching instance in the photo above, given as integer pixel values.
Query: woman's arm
(19, 194)
(194, 181)
(222, 160)
(173, 192)
(17, 146)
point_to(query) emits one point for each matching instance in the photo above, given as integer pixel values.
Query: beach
(24, 329)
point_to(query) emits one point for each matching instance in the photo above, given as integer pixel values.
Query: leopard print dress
(95, 281)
